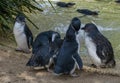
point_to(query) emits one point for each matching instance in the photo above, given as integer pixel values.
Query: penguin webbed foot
(49, 70)
(93, 65)
(103, 65)
(18, 49)
(74, 75)
(111, 64)
(38, 68)
(24, 51)
(27, 52)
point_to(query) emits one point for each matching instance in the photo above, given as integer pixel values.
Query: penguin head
(73, 29)
(75, 24)
(95, 12)
(20, 19)
(90, 27)
(70, 4)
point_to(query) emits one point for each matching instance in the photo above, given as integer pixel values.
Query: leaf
(52, 6)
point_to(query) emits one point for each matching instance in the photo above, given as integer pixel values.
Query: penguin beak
(83, 28)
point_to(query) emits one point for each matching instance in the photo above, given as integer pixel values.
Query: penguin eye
(17, 19)
(83, 28)
(57, 37)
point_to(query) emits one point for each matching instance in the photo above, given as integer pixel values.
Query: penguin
(68, 58)
(87, 12)
(117, 1)
(99, 47)
(63, 4)
(45, 47)
(22, 34)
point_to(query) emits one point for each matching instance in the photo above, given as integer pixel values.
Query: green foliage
(10, 8)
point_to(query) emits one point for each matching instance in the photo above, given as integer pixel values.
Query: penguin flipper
(99, 52)
(78, 60)
(105, 51)
(44, 54)
(29, 36)
(104, 48)
(39, 56)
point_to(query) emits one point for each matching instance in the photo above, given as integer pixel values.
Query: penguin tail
(28, 63)
(111, 64)
(32, 61)
(32, 64)
(57, 70)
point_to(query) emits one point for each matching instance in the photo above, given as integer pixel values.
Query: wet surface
(107, 21)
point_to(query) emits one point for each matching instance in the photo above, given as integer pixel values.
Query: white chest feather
(91, 47)
(53, 37)
(18, 28)
(20, 36)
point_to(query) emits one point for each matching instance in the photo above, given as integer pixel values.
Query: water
(107, 21)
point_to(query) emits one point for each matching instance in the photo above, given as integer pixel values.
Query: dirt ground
(13, 70)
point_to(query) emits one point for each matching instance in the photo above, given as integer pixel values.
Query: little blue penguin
(66, 5)
(68, 58)
(22, 34)
(117, 1)
(87, 12)
(46, 44)
(99, 47)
